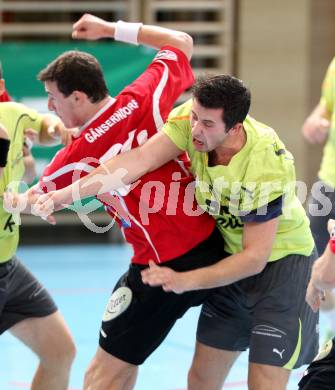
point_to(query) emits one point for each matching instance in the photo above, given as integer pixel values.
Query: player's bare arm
(323, 273)
(250, 261)
(91, 27)
(123, 169)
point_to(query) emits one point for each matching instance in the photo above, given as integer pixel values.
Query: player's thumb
(75, 34)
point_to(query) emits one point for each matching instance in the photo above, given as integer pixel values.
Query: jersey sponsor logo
(166, 55)
(118, 303)
(223, 217)
(120, 114)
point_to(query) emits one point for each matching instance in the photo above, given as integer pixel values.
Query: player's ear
(235, 129)
(79, 96)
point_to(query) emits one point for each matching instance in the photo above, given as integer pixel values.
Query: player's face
(208, 128)
(62, 106)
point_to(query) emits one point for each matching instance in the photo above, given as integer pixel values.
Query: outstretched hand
(16, 204)
(170, 280)
(53, 201)
(91, 27)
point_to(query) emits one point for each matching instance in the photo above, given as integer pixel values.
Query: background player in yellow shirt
(26, 308)
(29, 162)
(319, 128)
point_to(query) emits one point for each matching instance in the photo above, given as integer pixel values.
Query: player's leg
(51, 340)
(264, 377)
(31, 315)
(284, 334)
(210, 367)
(222, 334)
(107, 372)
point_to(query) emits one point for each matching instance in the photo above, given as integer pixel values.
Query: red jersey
(153, 213)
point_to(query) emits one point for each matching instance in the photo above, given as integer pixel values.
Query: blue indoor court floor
(80, 279)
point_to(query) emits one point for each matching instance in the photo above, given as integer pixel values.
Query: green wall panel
(22, 61)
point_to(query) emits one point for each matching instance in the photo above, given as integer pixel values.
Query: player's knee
(101, 374)
(60, 355)
(67, 352)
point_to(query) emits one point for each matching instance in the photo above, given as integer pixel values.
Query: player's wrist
(127, 32)
(109, 30)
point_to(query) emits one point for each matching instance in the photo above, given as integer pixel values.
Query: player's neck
(92, 110)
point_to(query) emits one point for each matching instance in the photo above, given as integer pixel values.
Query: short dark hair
(76, 71)
(226, 92)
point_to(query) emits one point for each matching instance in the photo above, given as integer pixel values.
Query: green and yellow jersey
(258, 184)
(327, 169)
(16, 118)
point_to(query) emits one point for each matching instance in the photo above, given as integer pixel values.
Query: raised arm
(91, 27)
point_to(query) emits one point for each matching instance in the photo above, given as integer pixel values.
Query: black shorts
(21, 295)
(138, 317)
(266, 313)
(320, 374)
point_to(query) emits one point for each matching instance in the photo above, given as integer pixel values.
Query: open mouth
(197, 142)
